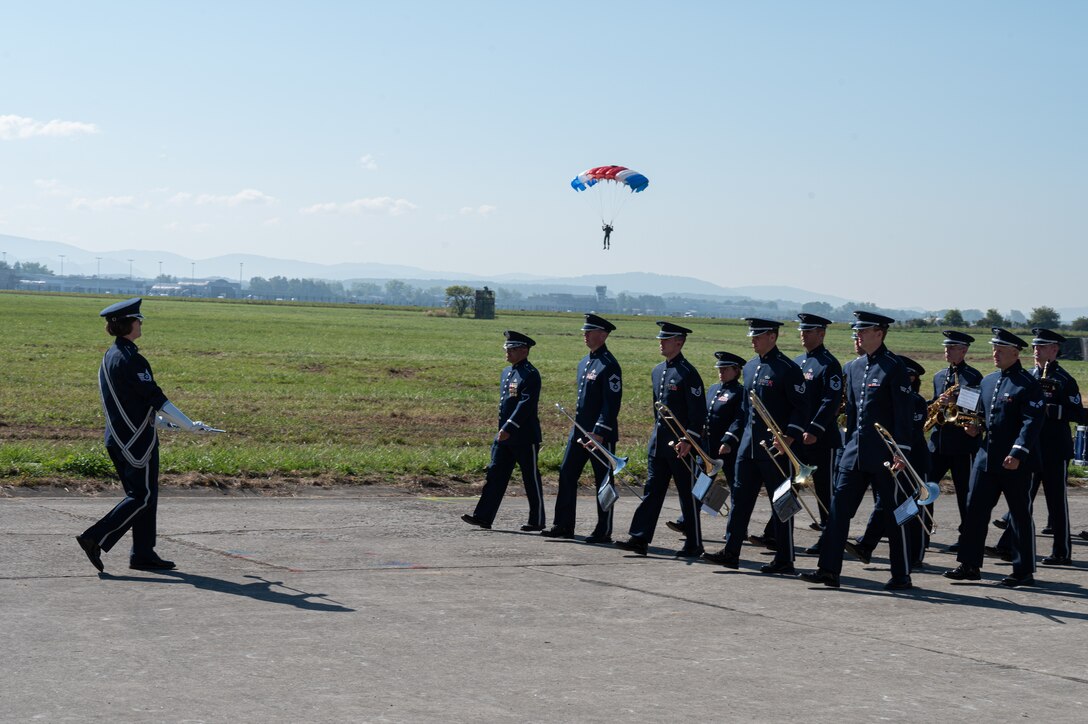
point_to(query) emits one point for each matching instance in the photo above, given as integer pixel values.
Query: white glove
(178, 418)
(163, 424)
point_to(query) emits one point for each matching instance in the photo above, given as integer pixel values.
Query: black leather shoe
(473, 520)
(150, 564)
(530, 528)
(813, 550)
(964, 573)
(674, 526)
(857, 551)
(94, 553)
(1057, 561)
(634, 545)
(690, 552)
(778, 567)
(815, 526)
(1014, 581)
(954, 548)
(723, 558)
(899, 584)
(1001, 523)
(1048, 530)
(556, 532)
(995, 552)
(597, 539)
(761, 540)
(1083, 534)
(827, 578)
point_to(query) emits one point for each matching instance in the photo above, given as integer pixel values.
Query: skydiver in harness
(607, 229)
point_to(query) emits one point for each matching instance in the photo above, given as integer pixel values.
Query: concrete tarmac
(365, 605)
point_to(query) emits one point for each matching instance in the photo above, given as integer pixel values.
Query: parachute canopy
(633, 180)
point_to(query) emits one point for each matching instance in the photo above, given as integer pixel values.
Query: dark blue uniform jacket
(678, 386)
(518, 404)
(952, 439)
(778, 383)
(1012, 405)
(130, 399)
(1061, 396)
(877, 390)
(823, 387)
(600, 389)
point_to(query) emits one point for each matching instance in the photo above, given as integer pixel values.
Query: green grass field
(337, 391)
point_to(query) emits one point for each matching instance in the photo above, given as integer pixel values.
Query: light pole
(98, 274)
(160, 271)
(192, 278)
(241, 265)
(62, 263)
(130, 269)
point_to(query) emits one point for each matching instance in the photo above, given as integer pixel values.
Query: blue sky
(917, 153)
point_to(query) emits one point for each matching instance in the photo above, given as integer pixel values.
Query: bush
(90, 465)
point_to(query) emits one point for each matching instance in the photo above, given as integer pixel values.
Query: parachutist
(607, 229)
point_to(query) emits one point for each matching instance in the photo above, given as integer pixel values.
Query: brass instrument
(711, 466)
(600, 452)
(909, 482)
(802, 474)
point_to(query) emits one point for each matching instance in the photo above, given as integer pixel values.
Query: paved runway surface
(371, 606)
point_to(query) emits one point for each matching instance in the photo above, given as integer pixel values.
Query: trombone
(602, 454)
(802, 474)
(923, 491)
(711, 466)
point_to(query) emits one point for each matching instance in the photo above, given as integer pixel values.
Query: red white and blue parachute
(622, 182)
(633, 180)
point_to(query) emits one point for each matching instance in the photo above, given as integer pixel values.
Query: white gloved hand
(178, 417)
(163, 424)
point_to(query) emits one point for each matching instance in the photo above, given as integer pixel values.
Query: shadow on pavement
(261, 589)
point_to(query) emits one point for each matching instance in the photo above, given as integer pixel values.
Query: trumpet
(802, 474)
(602, 454)
(923, 491)
(711, 466)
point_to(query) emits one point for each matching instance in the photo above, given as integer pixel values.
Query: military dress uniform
(1012, 409)
(919, 459)
(519, 400)
(877, 391)
(952, 449)
(823, 387)
(1062, 405)
(678, 386)
(600, 392)
(778, 383)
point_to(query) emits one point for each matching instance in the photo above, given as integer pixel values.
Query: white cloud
(107, 202)
(378, 204)
(243, 197)
(368, 162)
(274, 221)
(481, 210)
(14, 128)
(179, 198)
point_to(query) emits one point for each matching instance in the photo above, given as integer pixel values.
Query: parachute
(621, 183)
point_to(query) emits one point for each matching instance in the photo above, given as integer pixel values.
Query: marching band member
(778, 382)
(1012, 408)
(600, 390)
(676, 384)
(877, 391)
(135, 408)
(952, 448)
(518, 438)
(1061, 396)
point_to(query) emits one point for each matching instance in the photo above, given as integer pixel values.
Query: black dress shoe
(1014, 581)
(964, 573)
(765, 541)
(634, 545)
(954, 548)
(995, 552)
(723, 558)
(813, 550)
(94, 553)
(597, 539)
(150, 564)
(473, 520)
(530, 528)
(899, 584)
(816, 526)
(1057, 561)
(1049, 530)
(556, 532)
(857, 551)
(827, 578)
(778, 567)
(1001, 523)
(675, 526)
(689, 552)
(1083, 534)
